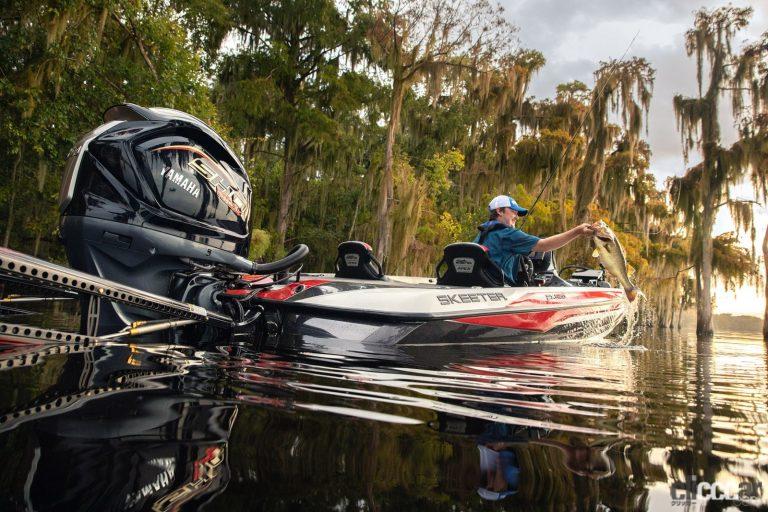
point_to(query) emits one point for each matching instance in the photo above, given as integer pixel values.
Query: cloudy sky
(575, 36)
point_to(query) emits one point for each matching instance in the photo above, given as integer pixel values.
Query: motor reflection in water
(110, 427)
(90, 425)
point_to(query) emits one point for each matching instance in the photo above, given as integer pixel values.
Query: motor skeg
(146, 194)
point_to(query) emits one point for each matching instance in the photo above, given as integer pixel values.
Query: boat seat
(355, 260)
(468, 264)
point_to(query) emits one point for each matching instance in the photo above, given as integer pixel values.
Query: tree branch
(135, 35)
(676, 274)
(737, 201)
(266, 152)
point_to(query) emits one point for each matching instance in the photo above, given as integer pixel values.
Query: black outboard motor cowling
(148, 194)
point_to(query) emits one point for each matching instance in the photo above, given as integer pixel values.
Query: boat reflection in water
(91, 425)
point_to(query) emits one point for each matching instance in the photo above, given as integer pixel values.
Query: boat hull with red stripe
(417, 311)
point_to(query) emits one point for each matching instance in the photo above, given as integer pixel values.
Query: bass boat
(155, 219)
(467, 302)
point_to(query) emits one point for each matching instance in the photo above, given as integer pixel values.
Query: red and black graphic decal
(215, 173)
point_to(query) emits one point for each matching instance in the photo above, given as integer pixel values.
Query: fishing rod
(573, 136)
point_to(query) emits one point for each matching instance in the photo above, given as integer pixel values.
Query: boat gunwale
(401, 317)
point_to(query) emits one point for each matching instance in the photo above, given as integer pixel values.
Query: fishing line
(578, 130)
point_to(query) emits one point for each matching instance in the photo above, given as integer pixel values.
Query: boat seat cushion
(468, 264)
(355, 260)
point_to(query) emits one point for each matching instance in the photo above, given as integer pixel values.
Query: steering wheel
(525, 271)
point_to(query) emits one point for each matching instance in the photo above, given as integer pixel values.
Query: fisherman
(506, 244)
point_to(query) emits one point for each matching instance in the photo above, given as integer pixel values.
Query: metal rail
(35, 343)
(21, 266)
(43, 342)
(19, 333)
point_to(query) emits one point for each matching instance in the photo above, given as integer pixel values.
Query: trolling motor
(156, 200)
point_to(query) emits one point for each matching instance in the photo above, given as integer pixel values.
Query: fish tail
(631, 293)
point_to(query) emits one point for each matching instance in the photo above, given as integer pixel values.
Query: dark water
(115, 426)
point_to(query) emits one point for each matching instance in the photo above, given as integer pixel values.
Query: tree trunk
(354, 216)
(38, 238)
(681, 306)
(765, 262)
(386, 190)
(42, 173)
(286, 190)
(704, 283)
(11, 204)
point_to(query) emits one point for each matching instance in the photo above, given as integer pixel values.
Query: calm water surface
(115, 426)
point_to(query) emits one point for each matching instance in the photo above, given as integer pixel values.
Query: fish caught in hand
(611, 255)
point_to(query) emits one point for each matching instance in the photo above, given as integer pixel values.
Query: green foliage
(62, 65)
(305, 92)
(285, 89)
(706, 186)
(733, 263)
(260, 241)
(439, 169)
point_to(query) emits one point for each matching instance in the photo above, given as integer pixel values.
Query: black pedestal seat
(355, 260)
(468, 264)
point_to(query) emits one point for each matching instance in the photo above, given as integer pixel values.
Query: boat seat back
(355, 260)
(468, 264)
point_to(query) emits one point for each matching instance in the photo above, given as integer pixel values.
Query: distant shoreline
(726, 322)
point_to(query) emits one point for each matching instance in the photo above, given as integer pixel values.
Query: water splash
(627, 328)
(633, 328)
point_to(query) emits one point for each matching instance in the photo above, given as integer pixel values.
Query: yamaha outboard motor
(148, 195)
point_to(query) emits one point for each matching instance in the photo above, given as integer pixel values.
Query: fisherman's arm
(557, 241)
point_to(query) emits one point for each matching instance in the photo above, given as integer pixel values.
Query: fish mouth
(603, 237)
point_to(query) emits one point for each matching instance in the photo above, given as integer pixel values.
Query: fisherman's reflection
(499, 471)
(581, 459)
(501, 446)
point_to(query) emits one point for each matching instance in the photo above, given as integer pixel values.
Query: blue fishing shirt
(505, 246)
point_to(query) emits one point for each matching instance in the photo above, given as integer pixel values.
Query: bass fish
(612, 257)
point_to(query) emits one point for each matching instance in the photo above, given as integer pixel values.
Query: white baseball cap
(507, 202)
(489, 495)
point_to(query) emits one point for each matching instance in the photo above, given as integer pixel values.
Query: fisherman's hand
(586, 229)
